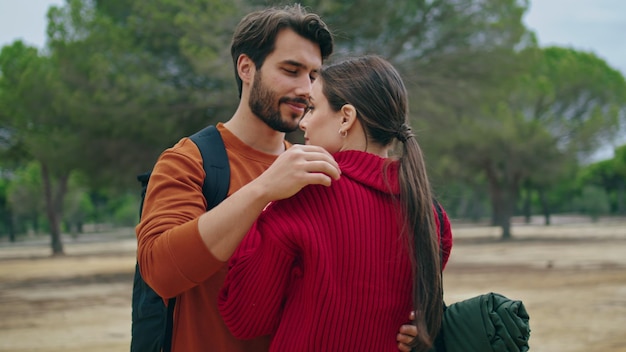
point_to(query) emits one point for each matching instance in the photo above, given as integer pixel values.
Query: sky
(597, 26)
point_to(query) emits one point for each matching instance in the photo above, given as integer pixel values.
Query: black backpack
(151, 320)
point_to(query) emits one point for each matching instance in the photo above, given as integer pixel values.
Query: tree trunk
(503, 201)
(476, 208)
(545, 206)
(527, 208)
(10, 226)
(54, 207)
(506, 229)
(621, 198)
(503, 215)
(34, 222)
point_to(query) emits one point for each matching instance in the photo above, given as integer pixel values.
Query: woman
(338, 268)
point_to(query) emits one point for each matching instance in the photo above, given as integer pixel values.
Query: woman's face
(320, 123)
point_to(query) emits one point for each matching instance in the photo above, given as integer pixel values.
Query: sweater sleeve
(170, 252)
(254, 291)
(447, 237)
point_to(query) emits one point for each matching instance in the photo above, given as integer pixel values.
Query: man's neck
(256, 133)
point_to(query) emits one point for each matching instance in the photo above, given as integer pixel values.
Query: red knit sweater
(326, 270)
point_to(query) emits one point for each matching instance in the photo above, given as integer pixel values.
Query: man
(182, 248)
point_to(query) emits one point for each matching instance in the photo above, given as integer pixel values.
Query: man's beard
(261, 102)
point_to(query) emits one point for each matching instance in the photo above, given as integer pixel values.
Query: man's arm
(180, 244)
(223, 227)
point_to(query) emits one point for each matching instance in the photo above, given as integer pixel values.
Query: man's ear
(348, 116)
(245, 68)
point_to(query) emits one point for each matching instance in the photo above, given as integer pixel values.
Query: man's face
(280, 91)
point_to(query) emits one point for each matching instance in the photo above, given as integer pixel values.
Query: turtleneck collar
(367, 169)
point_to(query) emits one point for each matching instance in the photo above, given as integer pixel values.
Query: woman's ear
(348, 116)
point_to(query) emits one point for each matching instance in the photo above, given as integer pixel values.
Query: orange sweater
(173, 258)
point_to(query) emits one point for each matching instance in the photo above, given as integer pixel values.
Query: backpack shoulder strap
(215, 163)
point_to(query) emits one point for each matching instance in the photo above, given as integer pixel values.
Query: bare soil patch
(571, 277)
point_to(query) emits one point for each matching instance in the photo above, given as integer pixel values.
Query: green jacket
(486, 323)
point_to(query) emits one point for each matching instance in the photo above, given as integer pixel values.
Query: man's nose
(303, 88)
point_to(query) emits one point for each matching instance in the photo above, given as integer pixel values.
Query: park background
(518, 136)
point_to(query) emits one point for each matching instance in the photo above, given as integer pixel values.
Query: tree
(446, 50)
(34, 104)
(610, 175)
(6, 213)
(593, 201)
(24, 194)
(619, 163)
(504, 147)
(581, 106)
(77, 206)
(141, 75)
(529, 131)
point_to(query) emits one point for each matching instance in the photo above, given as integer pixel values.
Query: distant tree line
(508, 127)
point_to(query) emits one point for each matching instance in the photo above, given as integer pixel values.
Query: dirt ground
(571, 277)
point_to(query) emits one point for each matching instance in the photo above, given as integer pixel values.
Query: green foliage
(609, 175)
(581, 99)
(534, 129)
(593, 201)
(558, 197)
(601, 173)
(24, 195)
(6, 215)
(446, 51)
(619, 162)
(126, 211)
(77, 205)
(462, 201)
(141, 75)
(12, 149)
(32, 97)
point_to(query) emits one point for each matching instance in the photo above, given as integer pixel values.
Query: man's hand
(407, 333)
(297, 167)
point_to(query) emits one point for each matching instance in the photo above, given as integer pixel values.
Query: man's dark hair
(255, 36)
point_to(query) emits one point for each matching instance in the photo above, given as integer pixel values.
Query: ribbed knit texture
(327, 269)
